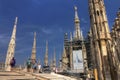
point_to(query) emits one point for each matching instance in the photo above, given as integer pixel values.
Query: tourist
(29, 65)
(34, 66)
(12, 62)
(39, 68)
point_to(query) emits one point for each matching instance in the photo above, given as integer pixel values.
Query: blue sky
(50, 19)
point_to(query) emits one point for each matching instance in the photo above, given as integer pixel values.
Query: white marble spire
(33, 55)
(11, 48)
(77, 35)
(46, 55)
(54, 59)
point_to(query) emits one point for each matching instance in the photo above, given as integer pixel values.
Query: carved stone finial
(75, 8)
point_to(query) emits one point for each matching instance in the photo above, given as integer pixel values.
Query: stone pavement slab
(14, 76)
(54, 76)
(32, 76)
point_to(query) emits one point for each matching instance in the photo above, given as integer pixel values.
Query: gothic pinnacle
(82, 35)
(100, 37)
(76, 15)
(33, 56)
(16, 20)
(54, 59)
(11, 48)
(14, 30)
(46, 55)
(77, 26)
(64, 53)
(71, 36)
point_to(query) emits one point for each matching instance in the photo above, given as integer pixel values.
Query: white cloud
(47, 31)
(83, 20)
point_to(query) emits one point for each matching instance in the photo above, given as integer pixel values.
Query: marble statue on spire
(77, 35)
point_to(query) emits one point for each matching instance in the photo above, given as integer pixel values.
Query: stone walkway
(53, 76)
(32, 76)
(14, 76)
